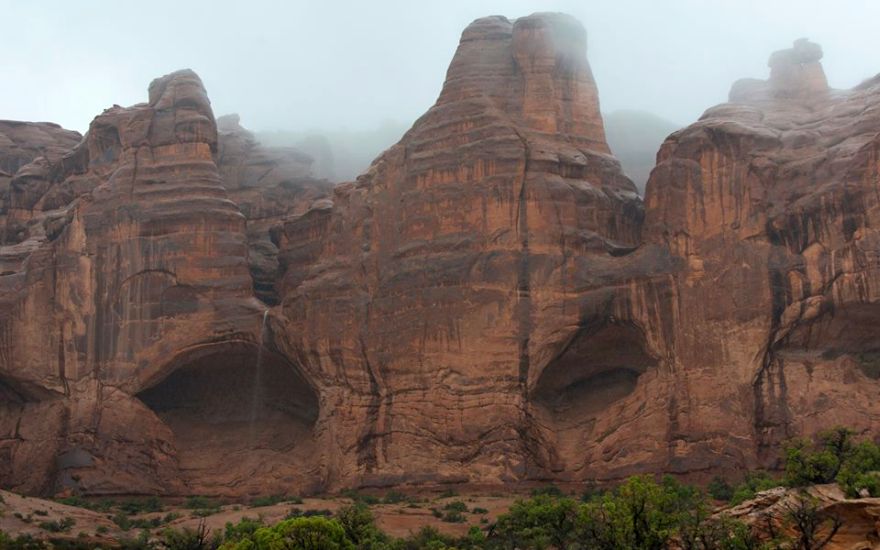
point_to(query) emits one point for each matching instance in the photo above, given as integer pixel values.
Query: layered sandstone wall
(133, 263)
(187, 311)
(771, 199)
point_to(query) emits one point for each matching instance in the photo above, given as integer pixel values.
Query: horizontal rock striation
(434, 293)
(135, 264)
(186, 311)
(771, 200)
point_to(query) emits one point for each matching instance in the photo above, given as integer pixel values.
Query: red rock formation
(489, 303)
(431, 296)
(859, 518)
(20, 144)
(139, 275)
(771, 200)
(268, 184)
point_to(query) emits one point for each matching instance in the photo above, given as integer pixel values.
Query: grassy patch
(58, 526)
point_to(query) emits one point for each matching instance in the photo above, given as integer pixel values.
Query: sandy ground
(23, 515)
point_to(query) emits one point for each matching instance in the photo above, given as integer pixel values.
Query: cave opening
(598, 368)
(238, 414)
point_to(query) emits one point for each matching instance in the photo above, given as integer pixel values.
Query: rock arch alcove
(598, 367)
(236, 411)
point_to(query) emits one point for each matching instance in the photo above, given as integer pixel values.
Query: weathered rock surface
(22, 143)
(772, 201)
(187, 311)
(771, 511)
(134, 263)
(268, 184)
(450, 300)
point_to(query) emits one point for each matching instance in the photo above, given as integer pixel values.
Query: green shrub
(199, 538)
(121, 520)
(703, 532)
(27, 519)
(58, 526)
(592, 492)
(809, 462)
(355, 496)
(314, 533)
(299, 513)
(77, 501)
(271, 500)
(394, 497)
(360, 527)
(142, 542)
(861, 471)
(640, 513)
(453, 516)
(456, 506)
(834, 455)
(754, 483)
(720, 489)
(170, 516)
(21, 542)
(478, 510)
(448, 493)
(199, 502)
(428, 538)
(243, 530)
(549, 490)
(538, 522)
(869, 363)
(140, 506)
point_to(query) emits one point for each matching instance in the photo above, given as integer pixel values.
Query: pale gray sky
(352, 64)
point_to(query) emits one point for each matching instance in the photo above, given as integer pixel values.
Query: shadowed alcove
(236, 412)
(599, 366)
(15, 394)
(850, 329)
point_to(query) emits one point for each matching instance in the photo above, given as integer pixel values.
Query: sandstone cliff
(134, 263)
(188, 311)
(771, 200)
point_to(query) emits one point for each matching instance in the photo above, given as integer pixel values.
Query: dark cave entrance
(15, 394)
(238, 414)
(596, 369)
(599, 367)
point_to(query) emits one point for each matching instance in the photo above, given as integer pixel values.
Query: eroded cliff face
(187, 311)
(452, 300)
(772, 201)
(134, 274)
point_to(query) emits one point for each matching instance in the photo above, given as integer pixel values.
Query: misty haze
(454, 275)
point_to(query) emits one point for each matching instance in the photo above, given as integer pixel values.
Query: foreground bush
(834, 456)
(302, 533)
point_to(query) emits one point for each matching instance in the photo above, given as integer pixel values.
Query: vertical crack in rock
(523, 290)
(492, 291)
